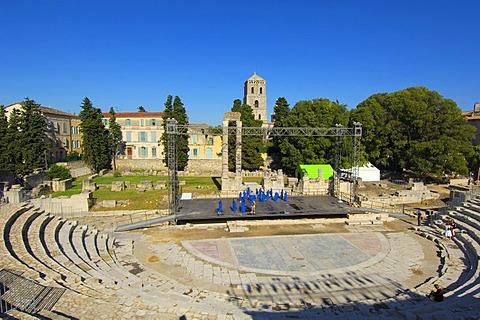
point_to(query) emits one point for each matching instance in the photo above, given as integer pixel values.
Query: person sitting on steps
(437, 294)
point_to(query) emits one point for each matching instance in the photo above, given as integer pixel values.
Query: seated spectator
(437, 294)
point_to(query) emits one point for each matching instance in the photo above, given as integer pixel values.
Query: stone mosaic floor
(290, 255)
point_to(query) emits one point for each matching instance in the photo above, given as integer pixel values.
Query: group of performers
(249, 196)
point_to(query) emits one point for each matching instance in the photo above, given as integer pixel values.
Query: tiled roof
(46, 110)
(134, 114)
(471, 115)
(56, 112)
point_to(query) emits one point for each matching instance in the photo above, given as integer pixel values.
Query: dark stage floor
(205, 210)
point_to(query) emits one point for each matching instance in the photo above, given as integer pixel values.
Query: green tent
(312, 171)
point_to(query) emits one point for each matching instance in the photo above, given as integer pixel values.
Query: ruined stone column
(225, 150)
(238, 152)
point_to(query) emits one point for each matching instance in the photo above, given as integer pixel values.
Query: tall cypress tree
(177, 111)
(281, 112)
(3, 138)
(251, 145)
(115, 136)
(167, 114)
(180, 114)
(32, 136)
(96, 150)
(13, 153)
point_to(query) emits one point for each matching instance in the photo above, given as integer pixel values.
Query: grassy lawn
(150, 199)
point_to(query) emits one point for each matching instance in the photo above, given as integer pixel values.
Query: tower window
(261, 90)
(256, 103)
(259, 117)
(253, 90)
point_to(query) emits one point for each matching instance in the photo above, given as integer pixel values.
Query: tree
(13, 153)
(33, 136)
(311, 150)
(3, 138)
(167, 114)
(180, 114)
(474, 162)
(251, 145)
(58, 172)
(281, 112)
(115, 136)
(141, 109)
(176, 111)
(415, 129)
(96, 147)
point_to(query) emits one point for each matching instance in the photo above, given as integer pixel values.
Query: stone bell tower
(255, 95)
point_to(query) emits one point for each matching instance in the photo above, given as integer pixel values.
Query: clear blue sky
(130, 53)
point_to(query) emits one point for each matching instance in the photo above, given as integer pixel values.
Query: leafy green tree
(310, 150)
(115, 136)
(251, 145)
(96, 144)
(58, 172)
(33, 136)
(281, 112)
(3, 138)
(141, 109)
(474, 162)
(74, 156)
(415, 129)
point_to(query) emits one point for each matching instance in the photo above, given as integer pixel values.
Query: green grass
(132, 179)
(150, 199)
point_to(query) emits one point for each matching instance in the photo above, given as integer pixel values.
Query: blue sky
(130, 53)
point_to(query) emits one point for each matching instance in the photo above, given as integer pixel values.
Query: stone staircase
(81, 272)
(89, 266)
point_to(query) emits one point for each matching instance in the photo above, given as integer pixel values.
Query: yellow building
(473, 118)
(204, 146)
(141, 132)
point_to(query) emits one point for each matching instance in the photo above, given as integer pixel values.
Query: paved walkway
(295, 271)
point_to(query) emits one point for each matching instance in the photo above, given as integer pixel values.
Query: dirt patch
(153, 259)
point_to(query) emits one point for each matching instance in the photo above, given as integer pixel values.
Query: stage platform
(205, 210)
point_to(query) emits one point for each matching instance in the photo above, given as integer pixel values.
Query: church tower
(255, 95)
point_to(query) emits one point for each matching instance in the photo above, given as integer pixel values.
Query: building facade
(141, 132)
(473, 118)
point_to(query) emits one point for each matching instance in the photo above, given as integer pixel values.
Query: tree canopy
(23, 139)
(115, 136)
(3, 138)
(251, 145)
(293, 151)
(177, 111)
(32, 134)
(96, 143)
(415, 129)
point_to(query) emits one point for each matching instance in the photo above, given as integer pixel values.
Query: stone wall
(208, 167)
(63, 205)
(61, 185)
(141, 164)
(34, 179)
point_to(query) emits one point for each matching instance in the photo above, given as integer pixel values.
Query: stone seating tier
(61, 250)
